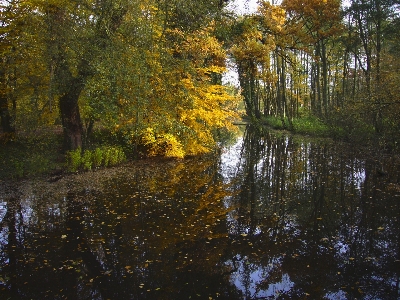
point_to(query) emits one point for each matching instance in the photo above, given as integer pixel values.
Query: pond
(272, 216)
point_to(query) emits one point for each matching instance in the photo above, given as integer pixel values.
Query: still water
(271, 217)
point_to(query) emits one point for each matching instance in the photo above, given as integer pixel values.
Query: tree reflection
(321, 216)
(297, 218)
(155, 231)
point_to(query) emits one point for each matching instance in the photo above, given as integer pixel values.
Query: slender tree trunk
(344, 80)
(378, 115)
(313, 93)
(325, 92)
(5, 115)
(6, 120)
(281, 101)
(355, 78)
(318, 80)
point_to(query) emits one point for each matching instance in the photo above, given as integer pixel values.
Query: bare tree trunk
(70, 117)
(6, 118)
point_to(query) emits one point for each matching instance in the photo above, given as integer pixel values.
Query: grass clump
(100, 157)
(97, 157)
(87, 160)
(310, 125)
(74, 160)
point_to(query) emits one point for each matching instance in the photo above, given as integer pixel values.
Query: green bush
(274, 122)
(113, 156)
(87, 160)
(97, 157)
(74, 160)
(104, 156)
(310, 125)
(121, 155)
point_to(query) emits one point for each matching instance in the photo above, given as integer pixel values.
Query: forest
(149, 74)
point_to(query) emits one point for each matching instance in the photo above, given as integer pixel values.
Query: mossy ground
(30, 154)
(39, 153)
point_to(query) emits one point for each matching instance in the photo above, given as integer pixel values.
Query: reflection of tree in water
(315, 214)
(153, 232)
(299, 218)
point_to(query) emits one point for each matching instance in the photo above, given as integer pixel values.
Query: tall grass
(309, 125)
(99, 157)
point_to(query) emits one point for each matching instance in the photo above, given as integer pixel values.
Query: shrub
(172, 147)
(121, 155)
(74, 159)
(161, 144)
(113, 156)
(97, 157)
(310, 125)
(87, 160)
(105, 156)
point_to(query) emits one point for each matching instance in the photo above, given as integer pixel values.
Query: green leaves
(100, 157)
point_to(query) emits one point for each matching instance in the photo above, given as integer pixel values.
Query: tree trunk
(325, 92)
(6, 119)
(318, 80)
(70, 116)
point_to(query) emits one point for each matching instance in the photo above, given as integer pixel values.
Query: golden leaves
(161, 144)
(313, 18)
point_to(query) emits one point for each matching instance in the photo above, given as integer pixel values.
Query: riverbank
(40, 154)
(356, 133)
(63, 182)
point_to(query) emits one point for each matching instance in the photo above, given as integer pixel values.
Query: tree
(371, 19)
(319, 21)
(77, 34)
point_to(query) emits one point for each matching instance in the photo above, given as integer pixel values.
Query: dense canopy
(151, 71)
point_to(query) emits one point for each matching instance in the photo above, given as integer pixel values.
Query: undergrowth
(353, 131)
(33, 154)
(309, 125)
(105, 156)
(29, 155)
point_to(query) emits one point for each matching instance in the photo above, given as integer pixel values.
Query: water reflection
(314, 220)
(272, 217)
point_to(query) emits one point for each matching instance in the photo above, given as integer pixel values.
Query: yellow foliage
(195, 148)
(274, 16)
(161, 145)
(167, 99)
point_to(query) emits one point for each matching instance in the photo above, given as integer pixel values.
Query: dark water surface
(272, 217)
